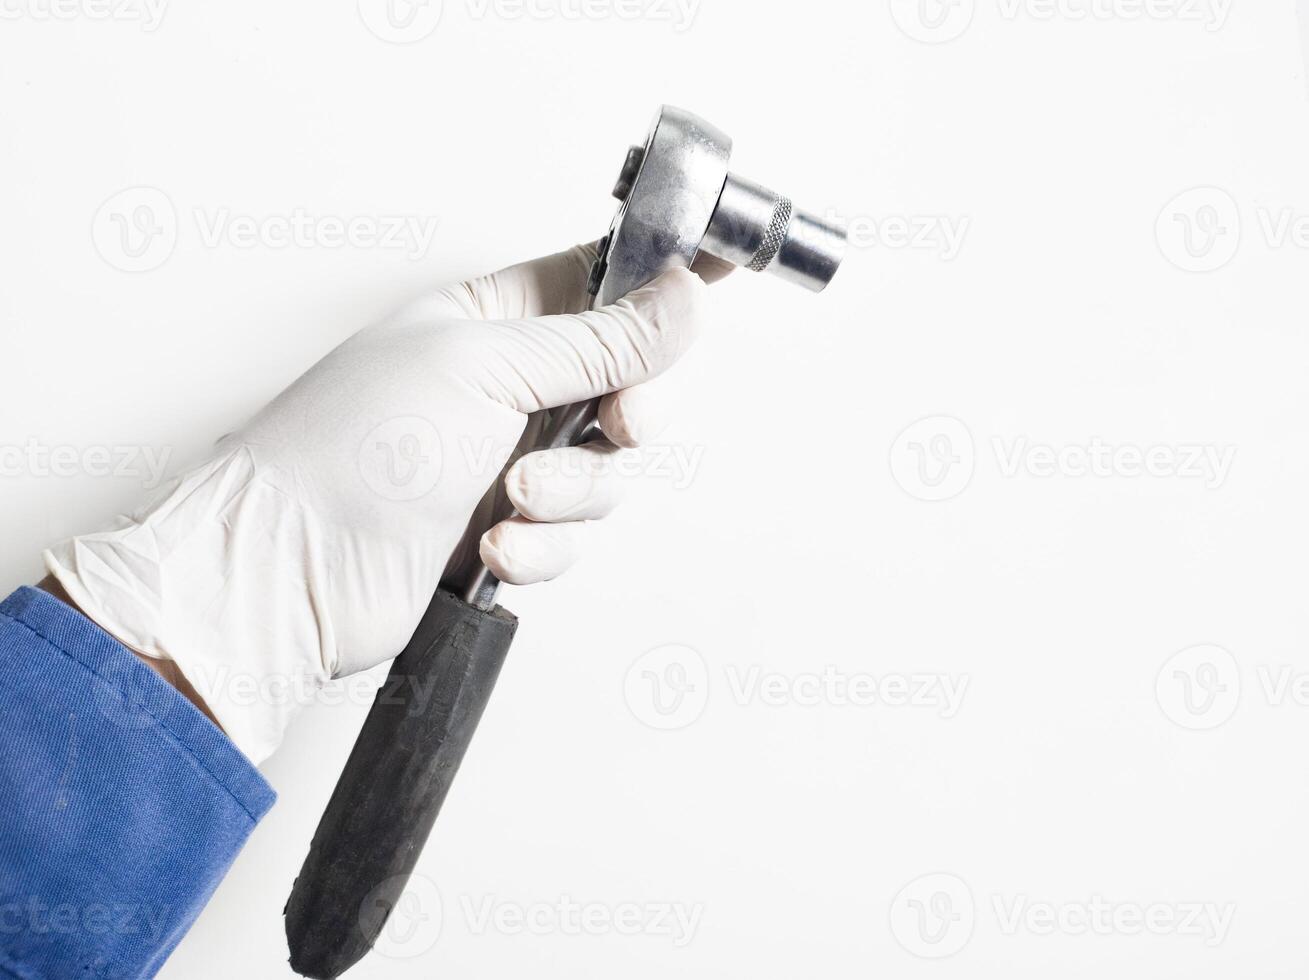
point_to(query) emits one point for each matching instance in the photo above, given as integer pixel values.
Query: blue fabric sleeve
(121, 805)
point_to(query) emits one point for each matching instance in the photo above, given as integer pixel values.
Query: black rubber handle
(397, 777)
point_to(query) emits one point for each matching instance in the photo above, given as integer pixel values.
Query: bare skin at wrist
(164, 668)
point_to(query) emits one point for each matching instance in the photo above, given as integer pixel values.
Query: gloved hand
(310, 543)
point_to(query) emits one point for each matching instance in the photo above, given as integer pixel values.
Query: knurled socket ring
(774, 237)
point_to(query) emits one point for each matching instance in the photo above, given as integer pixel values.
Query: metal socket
(759, 229)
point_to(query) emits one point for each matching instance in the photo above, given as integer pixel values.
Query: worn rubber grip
(394, 783)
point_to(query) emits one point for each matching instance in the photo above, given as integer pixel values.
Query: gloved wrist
(165, 669)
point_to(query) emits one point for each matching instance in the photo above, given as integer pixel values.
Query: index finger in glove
(547, 361)
(542, 287)
(548, 286)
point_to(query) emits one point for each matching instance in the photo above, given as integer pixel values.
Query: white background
(1072, 771)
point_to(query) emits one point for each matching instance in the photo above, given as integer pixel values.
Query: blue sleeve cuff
(121, 805)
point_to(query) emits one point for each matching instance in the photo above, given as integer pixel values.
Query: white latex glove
(309, 545)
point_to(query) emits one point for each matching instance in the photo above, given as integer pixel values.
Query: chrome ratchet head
(679, 197)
